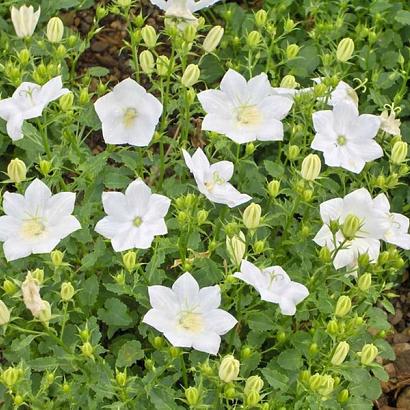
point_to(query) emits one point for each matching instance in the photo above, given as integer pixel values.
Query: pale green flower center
(216, 180)
(137, 221)
(341, 140)
(129, 117)
(32, 228)
(248, 115)
(192, 322)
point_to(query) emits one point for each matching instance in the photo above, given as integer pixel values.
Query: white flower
(389, 123)
(395, 226)
(245, 110)
(30, 290)
(133, 218)
(28, 101)
(212, 180)
(37, 221)
(343, 93)
(345, 137)
(24, 20)
(358, 203)
(274, 285)
(189, 316)
(128, 114)
(182, 9)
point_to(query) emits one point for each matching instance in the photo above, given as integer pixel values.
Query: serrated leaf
(129, 353)
(115, 313)
(290, 359)
(275, 379)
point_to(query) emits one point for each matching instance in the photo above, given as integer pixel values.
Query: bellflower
(28, 101)
(345, 137)
(30, 290)
(212, 180)
(243, 110)
(36, 222)
(274, 285)
(129, 114)
(358, 203)
(24, 20)
(189, 316)
(389, 123)
(343, 93)
(133, 218)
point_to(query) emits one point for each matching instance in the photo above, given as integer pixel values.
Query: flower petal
(186, 289)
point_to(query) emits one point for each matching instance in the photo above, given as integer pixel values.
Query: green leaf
(115, 313)
(43, 363)
(275, 379)
(403, 17)
(129, 353)
(89, 292)
(260, 321)
(380, 373)
(290, 359)
(98, 71)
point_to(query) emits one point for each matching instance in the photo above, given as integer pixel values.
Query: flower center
(248, 115)
(341, 140)
(191, 322)
(137, 221)
(216, 179)
(32, 228)
(129, 117)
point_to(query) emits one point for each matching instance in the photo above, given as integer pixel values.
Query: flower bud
(4, 314)
(363, 259)
(332, 327)
(250, 148)
(368, 354)
(10, 376)
(327, 385)
(202, 216)
(289, 25)
(325, 255)
(246, 352)
(149, 35)
(288, 81)
(261, 16)
(174, 351)
(315, 381)
(293, 152)
(307, 195)
(67, 291)
(55, 30)
(162, 65)
(304, 376)
(340, 353)
(350, 226)
(364, 282)
(236, 248)
(311, 167)
(121, 378)
(343, 396)
(190, 33)
(57, 258)
(274, 188)
(87, 349)
(24, 56)
(84, 96)
(345, 50)
(45, 313)
(9, 287)
(192, 396)
(158, 342)
(399, 152)
(191, 75)
(213, 39)
(16, 171)
(229, 369)
(147, 62)
(66, 101)
(252, 216)
(253, 39)
(45, 166)
(292, 50)
(253, 383)
(313, 348)
(343, 306)
(129, 260)
(252, 399)
(230, 392)
(259, 246)
(38, 275)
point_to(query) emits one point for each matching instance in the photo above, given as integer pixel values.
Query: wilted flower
(30, 289)
(274, 285)
(4, 314)
(128, 114)
(345, 137)
(37, 221)
(212, 180)
(189, 316)
(28, 101)
(24, 20)
(389, 123)
(134, 218)
(244, 110)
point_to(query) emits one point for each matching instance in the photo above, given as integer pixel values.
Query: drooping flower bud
(16, 171)
(340, 353)
(368, 354)
(343, 306)
(4, 313)
(229, 369)
(236, 248)
(191, 75)
(399, 152)
(350, 226)
(67, 291)
(213, 39)
(311, 167)
(345, 49)
(149, 35)
(55, 30)
(252, 216)
(365, 281)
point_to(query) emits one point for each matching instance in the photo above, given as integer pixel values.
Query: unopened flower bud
(45, 313)
(343, 306)
(399, 152)
(229, 369)
(292, 50)
(340, 353)
(311, 167)
(250, 148)
(332, 327)
(363, 259)
(10, 376)
(202, 216)
(16, 171)
(67, 291)
(259, 246)
(55, 30)
(38, 275)
(236, 248)
(261, 16)
(253, 383)
(313, 348)
(246, 352)
(368, 354)
(213, 39)
(57, 258)
(66, 101)
(304, 376)
(345, 50)
(289, 25)
(147, 62)
(350, 226)
(162, 65)
(24, 20)
(24, 56)
(190, 33)
(9, 287)
(84, 97)
(192, 396)
(45, 167)
(327, 385)
(252, 399)
(252, 216)
(293, 152)
(87, 349)
(364, 282)
(325, 255)
(4, 314)
(174, 351)
(288, 81)
(129, 260)
(121, 378)
(343, 396)
(253, 39)
(315, 381)
(307, 195)
(158, 342)
(274, 188)
(191, 75)
(149, 35)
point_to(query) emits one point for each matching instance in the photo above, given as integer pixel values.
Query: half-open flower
(189, 316)
(24, 20)
(243, 110)
(129, 114)
(274, 285)
(37, 221)
(212, 180)
(134, 218)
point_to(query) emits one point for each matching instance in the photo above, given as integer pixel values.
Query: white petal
(158, 207)
(200, 4)
(138, 196)
(324, 237)
(187, 290)
(60, 205)
(9, 227)
(258, 88)
(14, 205)
(219, 321)
(365, 127)
(223, 168)
(14, 127)
(216, 102)
(179, 339)
(110, 227)
(37, 195)
(65, 226)
(270, 130)
(163, 299)
(159, 320)
(14, 248)
(45, 245)
(116, 205)
(275, 106)
(323, 122)
(344, 257)
(345, 117)
(209, 298)
(331, 210)
(235, 86)
(208, 342)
